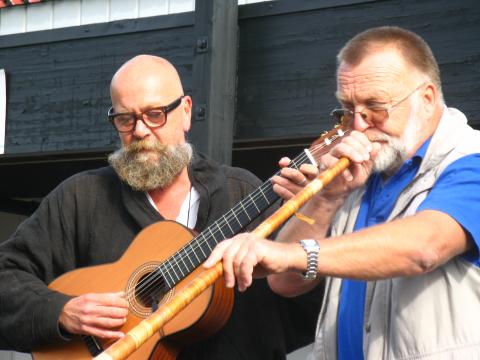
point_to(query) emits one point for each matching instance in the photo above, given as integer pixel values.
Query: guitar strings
(145, 285)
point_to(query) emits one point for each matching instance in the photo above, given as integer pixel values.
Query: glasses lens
(341, 115)
(155, 117)
(123, 122)
(379, 115)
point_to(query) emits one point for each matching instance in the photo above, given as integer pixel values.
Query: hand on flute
(247, 256)
(292, 180)
(357, 147)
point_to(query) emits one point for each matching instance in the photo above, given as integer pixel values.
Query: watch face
(309, 243)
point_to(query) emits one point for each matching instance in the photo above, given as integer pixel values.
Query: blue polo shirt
(456, 192)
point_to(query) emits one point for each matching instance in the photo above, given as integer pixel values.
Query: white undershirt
(187, 213)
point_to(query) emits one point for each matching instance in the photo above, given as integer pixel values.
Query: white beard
(395, 149)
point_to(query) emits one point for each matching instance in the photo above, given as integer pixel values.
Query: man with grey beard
(93, 217)
(396, 236)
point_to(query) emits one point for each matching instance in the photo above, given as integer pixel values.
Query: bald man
(92, 217)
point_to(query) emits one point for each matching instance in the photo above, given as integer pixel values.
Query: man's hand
(361, 152)
(95, 314)
(246, 256)
(356, 147)
(291, 180)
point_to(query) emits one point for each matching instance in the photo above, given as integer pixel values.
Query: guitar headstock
(324, 142)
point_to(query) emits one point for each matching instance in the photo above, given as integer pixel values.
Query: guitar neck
(191, 255)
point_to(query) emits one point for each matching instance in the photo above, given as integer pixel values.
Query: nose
(360, 121)
(141, 130)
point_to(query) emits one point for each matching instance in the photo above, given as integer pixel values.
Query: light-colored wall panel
(13, 20)
(39, 17)
(123, 9)
(94, 11)
(66, 13)
(152, 8)
(177, 6)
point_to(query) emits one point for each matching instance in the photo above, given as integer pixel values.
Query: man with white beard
(94, 216)
(396, 236)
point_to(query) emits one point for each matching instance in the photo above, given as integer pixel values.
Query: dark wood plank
(214, 77)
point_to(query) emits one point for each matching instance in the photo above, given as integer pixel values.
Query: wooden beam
(214, 74)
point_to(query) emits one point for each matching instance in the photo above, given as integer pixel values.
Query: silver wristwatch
(311, 247)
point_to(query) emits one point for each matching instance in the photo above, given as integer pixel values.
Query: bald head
(143, 80)
(146, 84)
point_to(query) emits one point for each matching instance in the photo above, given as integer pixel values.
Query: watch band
(311, 247)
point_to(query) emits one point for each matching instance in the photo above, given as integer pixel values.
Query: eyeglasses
(370, 114)
(154, 117)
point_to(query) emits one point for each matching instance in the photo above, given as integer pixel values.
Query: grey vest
(433, 316)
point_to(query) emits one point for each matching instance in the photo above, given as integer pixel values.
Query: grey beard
(147, 165)
(394, 154)
(391, 157)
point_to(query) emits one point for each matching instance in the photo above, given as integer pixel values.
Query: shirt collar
(422, 150)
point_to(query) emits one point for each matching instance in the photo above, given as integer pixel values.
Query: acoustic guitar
(162, 259)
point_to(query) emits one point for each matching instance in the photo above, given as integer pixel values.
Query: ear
(187, 113)
(430, 98)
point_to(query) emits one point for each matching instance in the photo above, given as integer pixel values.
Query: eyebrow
(371, 99)
(144, 109)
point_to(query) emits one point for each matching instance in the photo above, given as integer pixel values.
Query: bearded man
(397, 235)
(93, 217)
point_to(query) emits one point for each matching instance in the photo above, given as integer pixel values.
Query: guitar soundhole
(150, 290)
(147, 289)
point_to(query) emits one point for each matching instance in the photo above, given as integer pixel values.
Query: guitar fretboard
(191, 255)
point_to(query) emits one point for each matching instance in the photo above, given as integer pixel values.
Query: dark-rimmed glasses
(370, 114)
(154, 117)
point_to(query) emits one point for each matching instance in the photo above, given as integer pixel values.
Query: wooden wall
(57, 81)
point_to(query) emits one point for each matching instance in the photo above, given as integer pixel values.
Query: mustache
(373, 136)
(144, 145)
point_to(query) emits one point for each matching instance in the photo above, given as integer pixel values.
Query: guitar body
(152, 246)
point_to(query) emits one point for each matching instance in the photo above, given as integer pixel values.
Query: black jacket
(91, 218)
